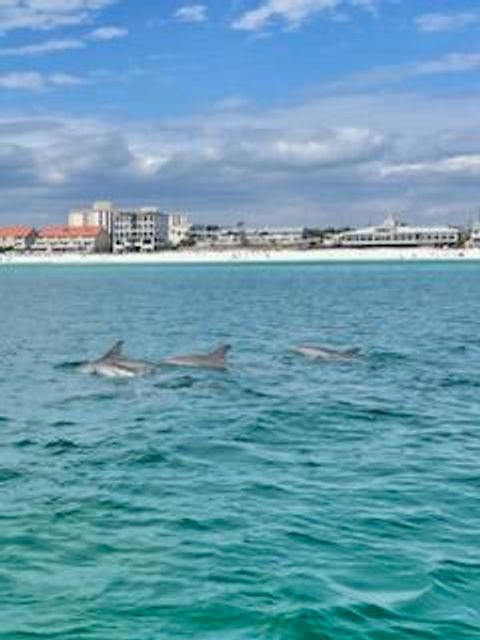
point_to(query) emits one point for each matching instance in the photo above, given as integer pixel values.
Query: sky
(270, 112)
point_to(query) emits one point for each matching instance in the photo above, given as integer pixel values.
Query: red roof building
(16, 238)
(85, 239)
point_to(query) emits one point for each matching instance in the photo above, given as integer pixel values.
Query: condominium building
(87, 239)
(101, 214)
(395, 234)
(147, 229)
(138, 231)
(16, 238)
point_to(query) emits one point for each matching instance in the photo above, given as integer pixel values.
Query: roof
(15, 232)
(70, 232)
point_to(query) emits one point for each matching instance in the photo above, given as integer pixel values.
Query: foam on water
(282, 499)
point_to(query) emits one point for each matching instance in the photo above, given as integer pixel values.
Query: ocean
(283, 499)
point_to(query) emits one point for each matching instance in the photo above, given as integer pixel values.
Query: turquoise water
(281, 500)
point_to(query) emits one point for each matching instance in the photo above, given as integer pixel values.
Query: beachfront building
(474, 235)
(101, 214)
(87, 239)
(396, 234)
(275, 238)
(174, 228)
(216, 237)
(17, 238)
(147, 229)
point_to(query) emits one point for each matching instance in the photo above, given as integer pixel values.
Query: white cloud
(50, 46)
(293, 12)
(191, 13)
(437, 22)
(451, 63)
(382, 77)
(35, 81)
(22, 80)
(108, 33)
(102, 34)
(47, 14)
(463, 165)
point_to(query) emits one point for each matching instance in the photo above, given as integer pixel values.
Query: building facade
(147, 230)
(86, 239)
(395, 234)
(101, 214)
(138, 231)
(174, 228)
(17, 238)
(475, 236)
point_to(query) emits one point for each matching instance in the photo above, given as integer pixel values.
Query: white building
(475, 236)
(147, 229)
(101, 214)
(174, 228)
(395, 234)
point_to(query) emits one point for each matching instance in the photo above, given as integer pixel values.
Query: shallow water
(283, 499)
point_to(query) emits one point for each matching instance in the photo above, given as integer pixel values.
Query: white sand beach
(244, 256)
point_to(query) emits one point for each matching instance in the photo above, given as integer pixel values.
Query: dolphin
(216, 359)
(114, 364)
(317, 352)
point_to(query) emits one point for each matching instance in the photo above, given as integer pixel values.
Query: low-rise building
(87, 239)
(395, 234)
(17, 238)
(212, 236)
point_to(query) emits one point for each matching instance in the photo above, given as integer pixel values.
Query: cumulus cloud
(47, 14)
(293, 13)
(339, 159)
(191, 13)
(437, 22)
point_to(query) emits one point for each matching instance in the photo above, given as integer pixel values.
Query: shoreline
(247, 256)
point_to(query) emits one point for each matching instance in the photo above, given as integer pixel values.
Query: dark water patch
(452, 381)
(4, 420)
(148, 458)
(68, 366)
(61, 446)
(181, 382)
(7, 475)
(60, 424)
(25, 443)
(88, 398)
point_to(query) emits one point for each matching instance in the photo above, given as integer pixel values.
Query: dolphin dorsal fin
(115, 351)
(220, 352)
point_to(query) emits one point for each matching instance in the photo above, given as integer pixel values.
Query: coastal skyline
(274, 113)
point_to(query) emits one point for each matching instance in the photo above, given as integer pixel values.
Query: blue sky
(270, 111)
